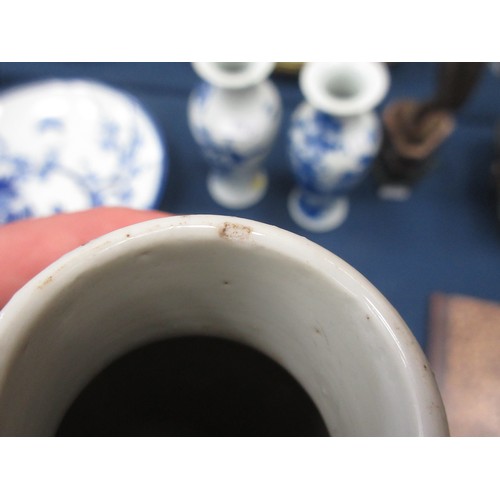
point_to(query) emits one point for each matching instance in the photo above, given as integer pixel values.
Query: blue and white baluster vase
(334, 136)
(234, 116)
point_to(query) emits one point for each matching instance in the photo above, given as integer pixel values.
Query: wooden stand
(413, 131)
(405, 156)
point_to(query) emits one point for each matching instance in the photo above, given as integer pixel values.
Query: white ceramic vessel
(334, 136)
(234, 116)
(69, 145)
(243, 280)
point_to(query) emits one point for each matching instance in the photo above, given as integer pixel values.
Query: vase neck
(327, 120)
(334, 119)
(232, 75)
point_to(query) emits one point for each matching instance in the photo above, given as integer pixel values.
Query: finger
(30, 245)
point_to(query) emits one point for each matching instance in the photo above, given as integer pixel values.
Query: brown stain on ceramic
(23, 346)
(45, 282)
(320, 333)
(232, 231)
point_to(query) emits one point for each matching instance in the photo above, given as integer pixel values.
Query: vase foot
(323, 221)
(237, 195)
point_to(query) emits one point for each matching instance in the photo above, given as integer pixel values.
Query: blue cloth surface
(444, 238)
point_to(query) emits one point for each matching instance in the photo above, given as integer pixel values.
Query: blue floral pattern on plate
(76, 144)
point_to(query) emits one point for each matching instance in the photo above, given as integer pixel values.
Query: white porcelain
(334, 136)
(234, 116)
(243, 280)
(68, 145)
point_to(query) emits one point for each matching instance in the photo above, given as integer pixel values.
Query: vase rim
(233, 75)
(387, 331)
(344, 88)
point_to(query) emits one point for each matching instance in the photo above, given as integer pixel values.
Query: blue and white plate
(69, 145)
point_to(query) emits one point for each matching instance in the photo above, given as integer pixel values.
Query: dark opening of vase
(193, 386)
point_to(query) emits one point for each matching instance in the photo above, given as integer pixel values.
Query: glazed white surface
(239, 279)
(234, 75)
(344, 88)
